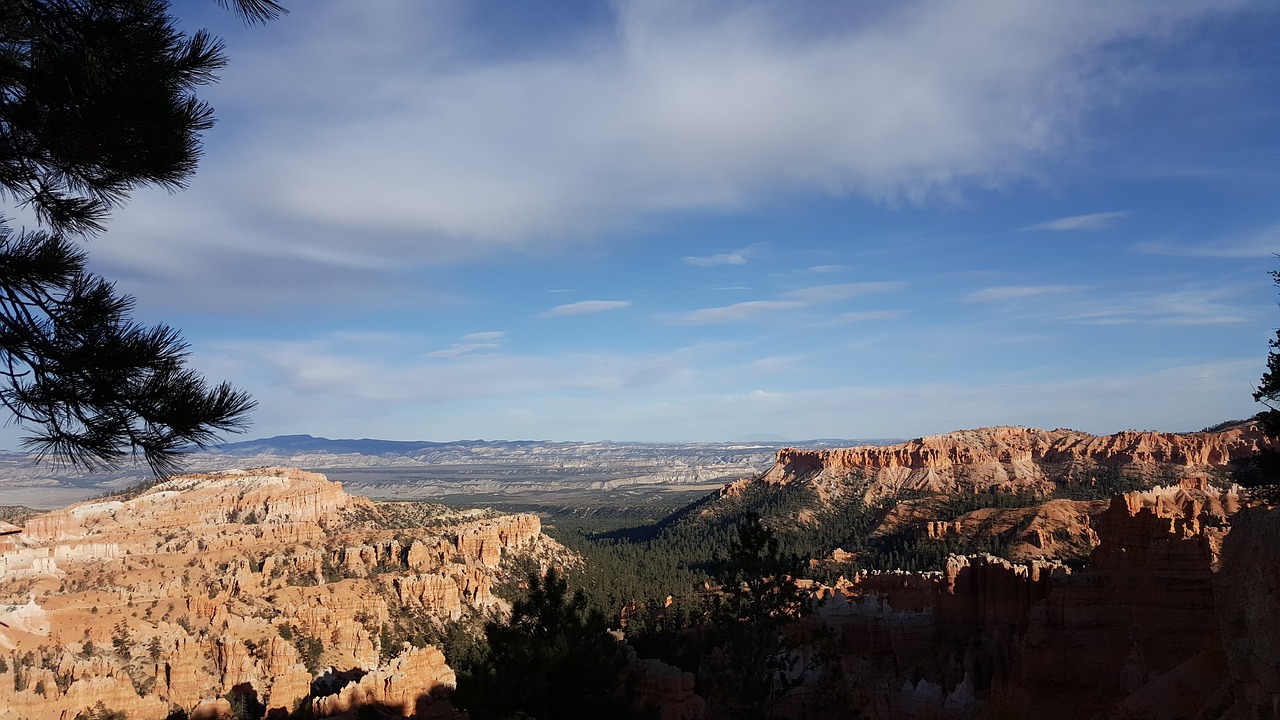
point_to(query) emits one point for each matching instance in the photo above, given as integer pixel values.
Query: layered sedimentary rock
(245, 584)
(1137, 629)
(408, 687)
(1247, 600)
(1015, 458)
(485, 541)
(1145, 606)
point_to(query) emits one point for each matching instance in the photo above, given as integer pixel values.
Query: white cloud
(489, 340)
(1207, 305)
(329, 369)
(460, 349)
(1261, 243)
(731, 258)
(842, 291)
(1167, 397)
(1181, 307)
(586, 307)
(1094, 221)
(443, 152)
(802, 297)
(868, 315)
(738, 312)
(1004, 293)
(671, 109)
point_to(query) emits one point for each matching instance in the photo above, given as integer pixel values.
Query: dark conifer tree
(753, 666)
(553, 659)
(97, 98)
(1262, 471)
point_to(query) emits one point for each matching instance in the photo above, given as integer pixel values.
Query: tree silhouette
(1261, 472)
(553, 659)
(755, 668)
(97, 98)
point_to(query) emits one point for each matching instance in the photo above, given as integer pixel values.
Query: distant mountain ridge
(374, 446)
(420, 469)
(362, 446)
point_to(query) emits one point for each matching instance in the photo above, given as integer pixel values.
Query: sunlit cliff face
(244, 582)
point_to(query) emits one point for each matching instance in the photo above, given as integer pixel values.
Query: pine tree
(1262, 471)
(755, 667)
(552, 659)
(97, 98)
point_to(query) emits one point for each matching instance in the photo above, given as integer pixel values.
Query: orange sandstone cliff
(258, 590)
(1174, 617)
(1015, 458)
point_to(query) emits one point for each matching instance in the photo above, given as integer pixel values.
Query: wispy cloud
(1093, 221)
(826, 268)
(869, 315)
(790, 300)
(737, 257)
(1184, 307)
(323, 368)
(738, 312)
(659, 109)
(842, 291)
(1258, 244)
(460, 349)
(1002, 293)
(672, 395)
(586, 307)
(489, 340)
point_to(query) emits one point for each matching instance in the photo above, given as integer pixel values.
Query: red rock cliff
(248, 582)
(1138, 628)
(1014, 458)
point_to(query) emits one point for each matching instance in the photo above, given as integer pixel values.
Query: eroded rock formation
(408, 686)
(240, 587)
(1145, 628)
(1015, 458)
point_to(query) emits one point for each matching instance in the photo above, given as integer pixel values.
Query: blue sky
(707, 220)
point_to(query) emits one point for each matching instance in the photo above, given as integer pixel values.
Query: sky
(693, 220)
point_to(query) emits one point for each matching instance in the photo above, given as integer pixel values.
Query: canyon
(471, 471)
(1134, 580)
(1138, 582)
(1034, 494)
(1170, 619)
(265, 588)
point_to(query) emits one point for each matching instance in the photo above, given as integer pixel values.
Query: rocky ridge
(1022, 493)
(1151, 627)
(1013, 459)
(242, 587)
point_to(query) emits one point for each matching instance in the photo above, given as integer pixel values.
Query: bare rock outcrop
(1138, 628)
(182, 675)
(247, 584)
(1247, 598)
(289, 689)
(484, 541)
(407, 686)
(666, 689)
(1014, 458)
(1145, 606)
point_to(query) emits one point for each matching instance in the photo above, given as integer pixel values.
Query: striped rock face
(242, 586)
